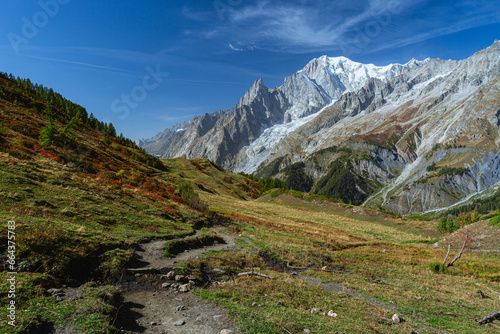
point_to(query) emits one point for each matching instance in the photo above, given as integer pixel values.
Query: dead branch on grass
(310, 268)
(490, 318)
(251, 273)
(493, 290)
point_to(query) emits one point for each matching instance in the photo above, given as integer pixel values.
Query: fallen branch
(307, 268)
(251, 273)
(490, 318)
(492, 290)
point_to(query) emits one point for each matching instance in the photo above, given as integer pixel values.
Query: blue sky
(146, 65)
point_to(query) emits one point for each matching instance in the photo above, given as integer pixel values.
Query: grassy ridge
(80, 205)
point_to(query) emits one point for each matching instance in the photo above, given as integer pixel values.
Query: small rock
(59, 299)
(255, 304)
(153, 323)
(179, 323)
(314, 310)
(54, 292)
(218, 271)
(171, 274)
(226, 331)
(324, 268)
(332, 314)
(307, 330)
(217, 316)
(185, 288)
(138, 275)
(179, 278)
(163, 276)
(165, 285)
(396, 318)
(180, 308)
(191, 278)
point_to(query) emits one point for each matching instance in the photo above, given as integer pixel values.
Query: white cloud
(232, 47)
(306, 26)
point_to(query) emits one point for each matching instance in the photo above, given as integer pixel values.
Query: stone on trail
(396, 318)
(226, 331)
(179, 278)
(179, 323)
(171, 274)
(185, 288)
(165, 285)
(314, 310)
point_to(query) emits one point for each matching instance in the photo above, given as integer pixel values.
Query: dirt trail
(150, 308)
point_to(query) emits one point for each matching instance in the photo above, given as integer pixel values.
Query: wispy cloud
(306, 26)
(234, 48)
(85, 65)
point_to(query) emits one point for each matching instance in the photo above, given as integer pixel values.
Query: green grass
(91, 312)
(495, 222)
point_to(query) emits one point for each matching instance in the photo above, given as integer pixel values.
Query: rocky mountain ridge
(242, 137)
(420, 136)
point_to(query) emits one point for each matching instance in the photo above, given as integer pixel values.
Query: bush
(448, 225)
(495, 222)
(275, 193)
(437, 268)
(187, 193)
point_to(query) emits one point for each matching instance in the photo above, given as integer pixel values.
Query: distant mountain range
(409, 138)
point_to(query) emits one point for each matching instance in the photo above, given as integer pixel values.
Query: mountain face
(242, 137)
(410, 138)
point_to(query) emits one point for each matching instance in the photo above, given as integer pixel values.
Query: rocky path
(152, 305)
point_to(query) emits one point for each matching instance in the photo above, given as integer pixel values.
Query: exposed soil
(150, 308)
(483, 238)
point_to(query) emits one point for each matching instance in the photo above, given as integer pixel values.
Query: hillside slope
(79, 204)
